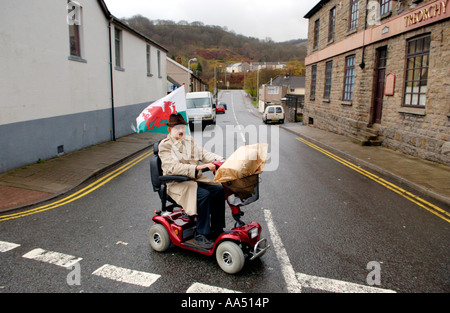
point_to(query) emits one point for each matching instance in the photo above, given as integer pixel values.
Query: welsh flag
(155, 117)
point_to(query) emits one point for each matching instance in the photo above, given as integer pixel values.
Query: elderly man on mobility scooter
(178, 155)
(200, 196)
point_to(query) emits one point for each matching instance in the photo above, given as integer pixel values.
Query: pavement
(40, 182)
(429, 178)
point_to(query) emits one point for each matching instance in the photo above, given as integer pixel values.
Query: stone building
(378, 71)
(286, 90)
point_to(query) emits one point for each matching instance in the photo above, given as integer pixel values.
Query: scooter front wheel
(159, 238)
(230, 257)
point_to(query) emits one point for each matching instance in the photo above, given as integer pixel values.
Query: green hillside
(215, 46)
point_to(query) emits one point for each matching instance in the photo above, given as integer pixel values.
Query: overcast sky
(280, 20)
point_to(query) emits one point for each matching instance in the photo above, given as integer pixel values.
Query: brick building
(378, 71)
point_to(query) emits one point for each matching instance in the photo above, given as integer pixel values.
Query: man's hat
(176, 119)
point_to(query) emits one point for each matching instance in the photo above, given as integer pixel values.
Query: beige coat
(182, 158)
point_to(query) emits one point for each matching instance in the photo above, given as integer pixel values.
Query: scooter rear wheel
(230, 257)
(159, 238)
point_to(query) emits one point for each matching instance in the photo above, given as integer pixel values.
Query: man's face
(178, 131)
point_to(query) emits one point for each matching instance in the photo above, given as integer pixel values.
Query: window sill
(326, 100)
(352, 31)
(415, 111)
(76, 59)
(386, 15)
(118, 68)
(347, 103)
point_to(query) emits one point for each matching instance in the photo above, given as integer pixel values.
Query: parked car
(274, 113)
(220, 108)
(224, 105)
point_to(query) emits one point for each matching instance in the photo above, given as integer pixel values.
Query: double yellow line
(411, 197)
(81, 193)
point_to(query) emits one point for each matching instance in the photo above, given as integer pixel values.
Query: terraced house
(378, 71)
(72, 76)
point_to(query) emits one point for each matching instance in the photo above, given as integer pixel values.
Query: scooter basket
(242, 191)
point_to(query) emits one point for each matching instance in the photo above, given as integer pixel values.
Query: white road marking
(286, 267)
(202, 288)
(6, 246)
(296, 281)
(126, 275)
(237, 122)
(56, 258)
(338, 286)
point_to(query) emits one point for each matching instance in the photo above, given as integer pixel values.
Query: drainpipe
(363, 65)
(113, 130)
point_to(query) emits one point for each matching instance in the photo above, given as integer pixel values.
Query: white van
(274, 113)
(201, 109)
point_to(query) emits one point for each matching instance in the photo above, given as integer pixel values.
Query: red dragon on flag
(156, 116)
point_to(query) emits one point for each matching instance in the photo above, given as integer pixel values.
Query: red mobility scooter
(173, 226)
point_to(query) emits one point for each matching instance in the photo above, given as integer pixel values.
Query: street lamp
(190, 76)
(189, 63)
(257, 87)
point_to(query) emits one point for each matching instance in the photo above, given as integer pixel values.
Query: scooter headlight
(253, 233)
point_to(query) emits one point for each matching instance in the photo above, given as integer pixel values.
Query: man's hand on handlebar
(206, 167)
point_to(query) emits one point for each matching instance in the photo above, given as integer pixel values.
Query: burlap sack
(245, 161)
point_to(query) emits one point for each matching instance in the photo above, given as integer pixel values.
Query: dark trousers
(210, 208)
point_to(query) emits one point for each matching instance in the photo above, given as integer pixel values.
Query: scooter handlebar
(216, 163)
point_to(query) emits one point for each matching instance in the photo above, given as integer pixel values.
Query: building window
(416, 82)
(118, 48)
(74, 38)
(159, 63)
(385, 7)
(273, 90)
(328, 78)
(148, 55)
(313, 81)
(74, 21)
(354, 10)
(316, 34)
(349, 77)
(332, 24)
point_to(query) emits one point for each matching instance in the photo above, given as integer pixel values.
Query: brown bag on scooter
(245, 161)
